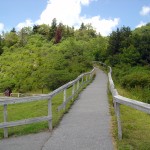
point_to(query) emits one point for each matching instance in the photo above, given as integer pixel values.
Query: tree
(118, 40)
(1, 46)
(82, 27)
(58, 34)
(141, 41)
(23, 35)
(10, 39)
(13, 30)
(35, 29)
(53, 29)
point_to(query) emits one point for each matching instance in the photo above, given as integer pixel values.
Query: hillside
(46, 57)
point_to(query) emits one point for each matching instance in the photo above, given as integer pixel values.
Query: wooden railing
(76, 84)
(118, 100)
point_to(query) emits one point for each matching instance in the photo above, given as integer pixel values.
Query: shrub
(136, 79)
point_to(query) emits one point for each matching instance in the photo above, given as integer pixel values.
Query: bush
(137, 77)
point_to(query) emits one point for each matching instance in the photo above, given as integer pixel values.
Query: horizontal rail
(14, 100)
(5, 101)
(24, 122)
(133, 103)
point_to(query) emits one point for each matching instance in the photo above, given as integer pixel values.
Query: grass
(35, 109)
(135, 125)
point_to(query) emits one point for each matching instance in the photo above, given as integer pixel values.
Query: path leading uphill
(85, 127)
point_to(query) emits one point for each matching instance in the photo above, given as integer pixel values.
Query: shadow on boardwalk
(85, 127)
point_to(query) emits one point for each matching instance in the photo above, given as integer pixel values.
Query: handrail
(118, 100)
(5, 101)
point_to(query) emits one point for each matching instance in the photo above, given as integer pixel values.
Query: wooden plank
(73, 90)
(50, 114)
(23, 99)
(63, 105)
(65, 98)
(5, 120)
(118, 121)
(24, 122)
(133, 103)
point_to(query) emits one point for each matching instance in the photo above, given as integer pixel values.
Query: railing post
(78, 84)
(5, 120)
(82, 80)
(118, 121)
(86, 78)
(65, 97)
(73, 90)
(50, 114)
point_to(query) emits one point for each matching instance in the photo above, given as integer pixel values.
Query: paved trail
(85, 127)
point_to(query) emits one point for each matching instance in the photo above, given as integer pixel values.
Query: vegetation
(131, 67)
(45, 57)
(38, 109)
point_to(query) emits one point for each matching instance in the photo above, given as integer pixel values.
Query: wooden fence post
(65, 98)
(82, 81)
(73, 91)
(86, 78)
(5, 120)
(50, 114)
(118, 121)
(78, 84)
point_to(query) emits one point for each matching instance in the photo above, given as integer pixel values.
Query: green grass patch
(135, 125)
(28, 110)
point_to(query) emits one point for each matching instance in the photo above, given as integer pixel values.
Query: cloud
(27, 23)
(1, 27)
(70, 15)
(102, 26)
(68, 12)
(145, 10)
(141, 24)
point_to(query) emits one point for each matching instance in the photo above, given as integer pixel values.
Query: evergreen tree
(53, 29)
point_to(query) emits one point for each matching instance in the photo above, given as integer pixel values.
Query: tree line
(47, 56)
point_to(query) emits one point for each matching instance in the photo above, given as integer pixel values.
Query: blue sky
(103, 15)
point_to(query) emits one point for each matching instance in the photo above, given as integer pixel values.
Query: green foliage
(32, 62)
(136, 79)
(133, 47)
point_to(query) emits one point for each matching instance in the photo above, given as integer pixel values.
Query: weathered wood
(65, 98)
(13, 100)
(73, 90)
(78, 84)
(117, 99)
(63, 105)
(24, 122)
(133, 103)
(118, 121)
(50, 114)
(5, 120)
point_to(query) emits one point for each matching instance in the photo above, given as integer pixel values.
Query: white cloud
(141, 24)
(66, 11)
(27, 23)
(145, 10)
(102, 26)
(1, 27)
(69, 13)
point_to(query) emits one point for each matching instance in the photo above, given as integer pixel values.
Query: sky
(104, 15)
